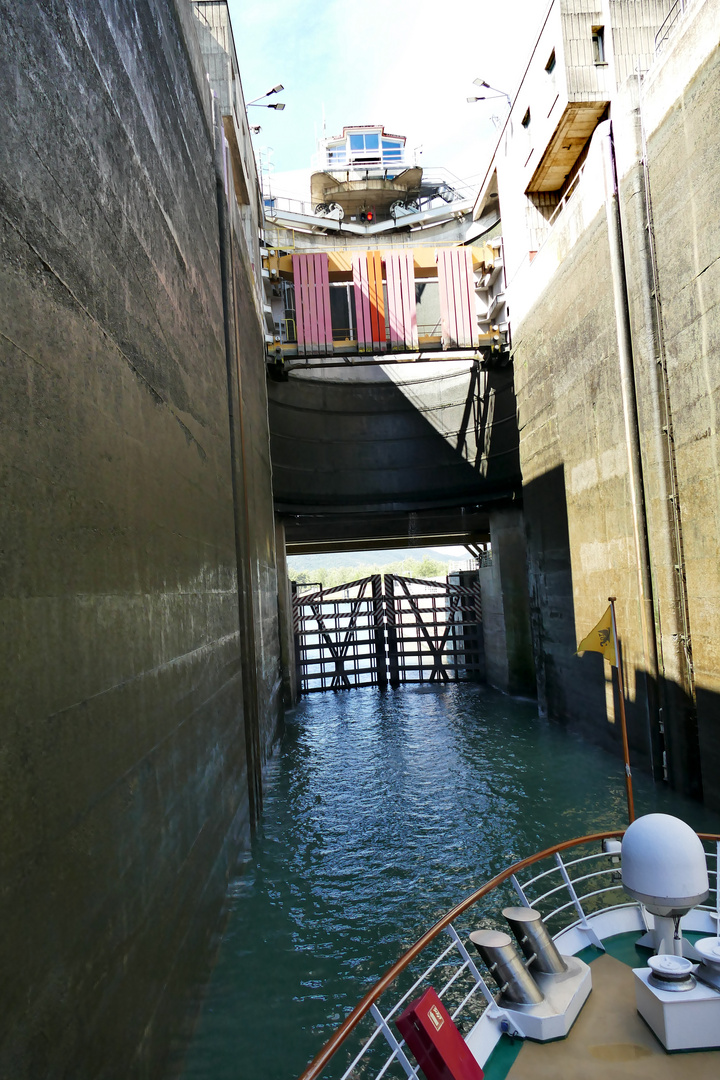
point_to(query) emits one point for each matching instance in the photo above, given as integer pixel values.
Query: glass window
(372, 142)
(427, 299)
(336, 152)
(550, 66)
(357, 142)
(340, 312)
(598, 41)
(392, 151)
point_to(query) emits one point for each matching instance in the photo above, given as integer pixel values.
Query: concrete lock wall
(124, 714)
(577, 500)
(509, 664)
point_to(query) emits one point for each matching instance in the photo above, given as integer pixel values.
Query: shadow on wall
(582, 691)
(575, 690)
(410, 436)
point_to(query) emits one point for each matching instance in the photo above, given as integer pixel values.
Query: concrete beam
(310, 533)
(409, 221)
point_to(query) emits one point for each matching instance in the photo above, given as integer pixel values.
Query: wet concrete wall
(505, 613)
(573, 449)
(576, 494)
(684, 187)
(123, 788)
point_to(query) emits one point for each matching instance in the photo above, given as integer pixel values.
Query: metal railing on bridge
(389, 629)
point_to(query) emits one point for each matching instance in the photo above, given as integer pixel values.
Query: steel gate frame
(401, 630)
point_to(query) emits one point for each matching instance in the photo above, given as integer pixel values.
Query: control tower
(365, 174)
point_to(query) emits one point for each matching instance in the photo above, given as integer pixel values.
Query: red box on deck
(441, 1051)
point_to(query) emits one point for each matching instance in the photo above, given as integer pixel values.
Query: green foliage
(338, 575)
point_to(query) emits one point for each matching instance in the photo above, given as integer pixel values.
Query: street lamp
(488, 97)
(259, 104)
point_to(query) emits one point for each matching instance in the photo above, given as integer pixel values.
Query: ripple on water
(380, 812)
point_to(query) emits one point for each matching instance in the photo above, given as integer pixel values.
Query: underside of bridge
(393, 454)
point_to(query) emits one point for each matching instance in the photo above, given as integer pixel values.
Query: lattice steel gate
(395, 630)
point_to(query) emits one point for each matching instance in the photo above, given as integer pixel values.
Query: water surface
(382, 811)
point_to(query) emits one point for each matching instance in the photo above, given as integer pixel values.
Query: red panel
(439, 1048)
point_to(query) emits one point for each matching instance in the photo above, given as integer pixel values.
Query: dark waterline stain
(381, 811)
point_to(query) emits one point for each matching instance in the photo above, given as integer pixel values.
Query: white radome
(663, 865)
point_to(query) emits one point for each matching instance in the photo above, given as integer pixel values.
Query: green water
(381, 811)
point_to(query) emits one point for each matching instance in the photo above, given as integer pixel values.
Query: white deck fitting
(688, 1020)
(565, 994)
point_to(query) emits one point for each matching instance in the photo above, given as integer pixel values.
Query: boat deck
(609, 1037)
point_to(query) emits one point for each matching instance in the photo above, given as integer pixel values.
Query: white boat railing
(568, 901)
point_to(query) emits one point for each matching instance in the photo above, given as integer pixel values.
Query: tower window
(550, 66)
(598, 43)
(526, 119)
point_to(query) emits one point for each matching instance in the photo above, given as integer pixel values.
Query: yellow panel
(340, 262)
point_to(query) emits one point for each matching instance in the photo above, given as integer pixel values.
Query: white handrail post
(486, 991)
(397, 1048)
(519, 890)
(595, 940)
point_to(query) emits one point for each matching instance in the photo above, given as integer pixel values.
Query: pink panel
(359, 328)
(367, 303)
(457, 297)
(362, 301)
(300, 306)
(394, 311)
(307, 305)
(325, 300)
(319, 306)
(390, 313)
(461, 297)
(472, 305)
(444, 302)
(407, 276)
(312, 303)
(454, 297)
(467, 297)
(460, 312)
(451, 339)
(402, 310)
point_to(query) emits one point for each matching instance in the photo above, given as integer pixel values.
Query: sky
(407, 65)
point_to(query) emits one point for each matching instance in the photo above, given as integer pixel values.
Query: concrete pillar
(509, 661)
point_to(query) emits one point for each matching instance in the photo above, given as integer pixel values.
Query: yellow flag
(600, 639)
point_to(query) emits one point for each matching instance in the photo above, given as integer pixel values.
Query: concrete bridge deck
(393, 452)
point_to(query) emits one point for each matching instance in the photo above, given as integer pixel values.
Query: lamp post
(258, 102)
(488, 97)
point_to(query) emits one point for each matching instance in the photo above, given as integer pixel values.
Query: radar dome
(663, 865)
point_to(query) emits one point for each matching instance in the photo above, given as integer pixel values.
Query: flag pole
(623, 725)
